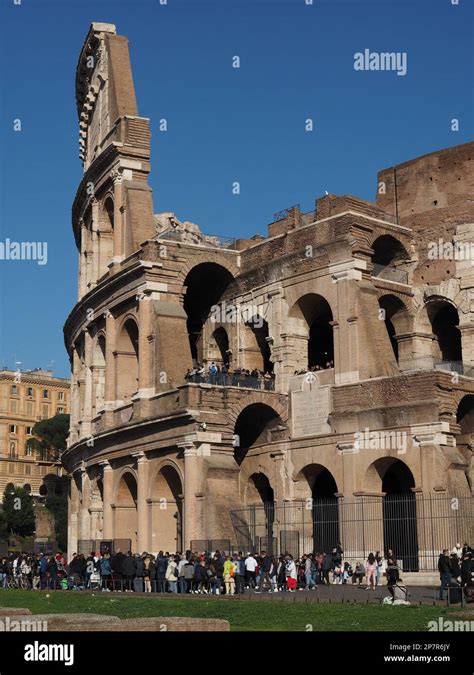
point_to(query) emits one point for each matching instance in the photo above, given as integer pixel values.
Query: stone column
(467, 342)
(193, 517)
(95, 242)
(107, 483)
(415, 351)
(142, 497)
(118, 220)
(110, 393)
(87, 411)
(145, 345)
(73, 507)
(84, 516)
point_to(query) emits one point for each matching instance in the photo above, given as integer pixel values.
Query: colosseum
(285, 392)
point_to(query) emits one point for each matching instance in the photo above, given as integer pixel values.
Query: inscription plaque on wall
(310, 411)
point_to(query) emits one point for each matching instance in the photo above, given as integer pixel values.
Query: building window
(29, 409)
(29, 391)
(61, 396)
(12, 449)
(13, 406)
(45, 414)
(28, 450)
(14, 390)
(29, 430)
(45, 393)
(28, 470)
(13, 428)
(60, 410)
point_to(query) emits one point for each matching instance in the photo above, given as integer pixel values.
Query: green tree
(3, 527)
(19, 511)
(57, 504)
(50, 437)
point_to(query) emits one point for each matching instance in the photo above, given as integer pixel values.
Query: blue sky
(224, 124)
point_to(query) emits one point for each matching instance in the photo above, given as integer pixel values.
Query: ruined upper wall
(438, 181)
(104, 88)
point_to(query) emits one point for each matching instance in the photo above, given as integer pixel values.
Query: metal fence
(234, 380)
(416, 527)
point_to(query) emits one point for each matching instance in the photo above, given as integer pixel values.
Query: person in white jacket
(290, 573)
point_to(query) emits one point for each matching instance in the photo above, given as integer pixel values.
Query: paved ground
(418, 595)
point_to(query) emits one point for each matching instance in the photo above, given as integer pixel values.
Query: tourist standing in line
(445, 572)
(250, 570)
(371, 571)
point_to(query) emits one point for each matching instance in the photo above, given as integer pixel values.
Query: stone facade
(26, 397)
(348, 292)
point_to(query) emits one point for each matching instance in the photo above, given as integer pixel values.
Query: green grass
(243, 615)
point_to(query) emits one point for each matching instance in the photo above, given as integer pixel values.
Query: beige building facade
(360, 314)
(26, 397)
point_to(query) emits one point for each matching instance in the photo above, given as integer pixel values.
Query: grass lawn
(243, 615)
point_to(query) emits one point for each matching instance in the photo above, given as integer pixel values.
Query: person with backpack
(229, 574)
(172, 574)
(105, 572)
(309, 569)
(265, 565)
(139, 569)
(239, 574)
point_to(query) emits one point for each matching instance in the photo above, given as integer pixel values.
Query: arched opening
(311, 317)
(257, 424)
(221, 340)
(325, 511)
(444, 319)
(105, 235)
(465, 414)
(395, 316)
(399, 511)
(260, 494)
(126, 360)
(98, 375)
(167, 511)
(204, 285)
(125, 512)
(388, 258)
(256, 354)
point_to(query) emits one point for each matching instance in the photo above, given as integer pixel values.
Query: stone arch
(203, 258)
(398, 320)
(439, 317)
(166, 493)
(204, 285)
(256, 350)
(258, 423)
(279, 405)
(318, 487)
(125, 507)
(98, 372)
(311, 318)
(126, 358)
(219, 348)
(465, 414)
(105, 233)
(396, 481)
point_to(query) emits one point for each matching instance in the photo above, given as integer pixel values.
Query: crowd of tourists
(314, 369)
(225, 375)
(455, 571)
(219, 573)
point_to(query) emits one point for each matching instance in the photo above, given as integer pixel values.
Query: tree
(3, 527)
(19, 511)
(50, 437)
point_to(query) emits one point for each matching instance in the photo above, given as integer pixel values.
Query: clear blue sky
(224, 124)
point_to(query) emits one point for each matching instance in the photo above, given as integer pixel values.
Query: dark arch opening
(318, 316)
(399, 515)
(325, 509)
(388, 251)
(465, 414)
(393, 308)
(222, 341)
(444, 323)
(262, 485)
(259, 327)
(205, 285)
(109, 212)
(253, 427)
